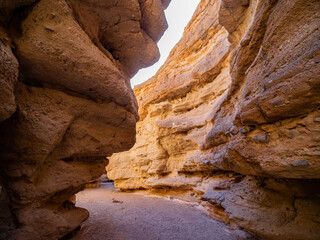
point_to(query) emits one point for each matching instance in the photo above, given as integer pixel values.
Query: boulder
(66, 103)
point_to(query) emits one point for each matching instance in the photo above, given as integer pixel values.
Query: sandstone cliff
(66, 102)
(233, 118)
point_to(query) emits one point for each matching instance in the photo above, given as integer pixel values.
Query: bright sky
(178, 15)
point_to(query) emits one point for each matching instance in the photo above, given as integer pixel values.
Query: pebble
(261, 138)
(246, 129)
(300, 163)
(234, 130)
(293, 134)
(207, 162)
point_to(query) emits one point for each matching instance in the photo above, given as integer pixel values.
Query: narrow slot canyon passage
(222, 142)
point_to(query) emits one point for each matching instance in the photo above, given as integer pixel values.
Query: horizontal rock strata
(66, 103)
(233, 118)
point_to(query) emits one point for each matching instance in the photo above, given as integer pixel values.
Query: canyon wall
(66, 102)
(232, 118)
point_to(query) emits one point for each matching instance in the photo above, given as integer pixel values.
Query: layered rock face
(66, 102)
(233, 118)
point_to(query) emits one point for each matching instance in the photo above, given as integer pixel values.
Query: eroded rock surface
(66, 102)
(233, 117)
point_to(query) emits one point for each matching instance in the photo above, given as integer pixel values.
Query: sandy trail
(139, 217)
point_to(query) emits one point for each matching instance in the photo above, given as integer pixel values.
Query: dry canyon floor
(119, 215)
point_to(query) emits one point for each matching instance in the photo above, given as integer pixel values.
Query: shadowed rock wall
(66, 102)
(233, 117)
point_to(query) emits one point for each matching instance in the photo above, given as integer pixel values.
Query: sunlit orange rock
(233, 116)
(66, 103)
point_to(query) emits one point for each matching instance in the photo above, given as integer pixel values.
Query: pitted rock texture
(233, 117)
(66, 103)
(9, 70)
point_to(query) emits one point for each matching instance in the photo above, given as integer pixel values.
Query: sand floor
(120, 216)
